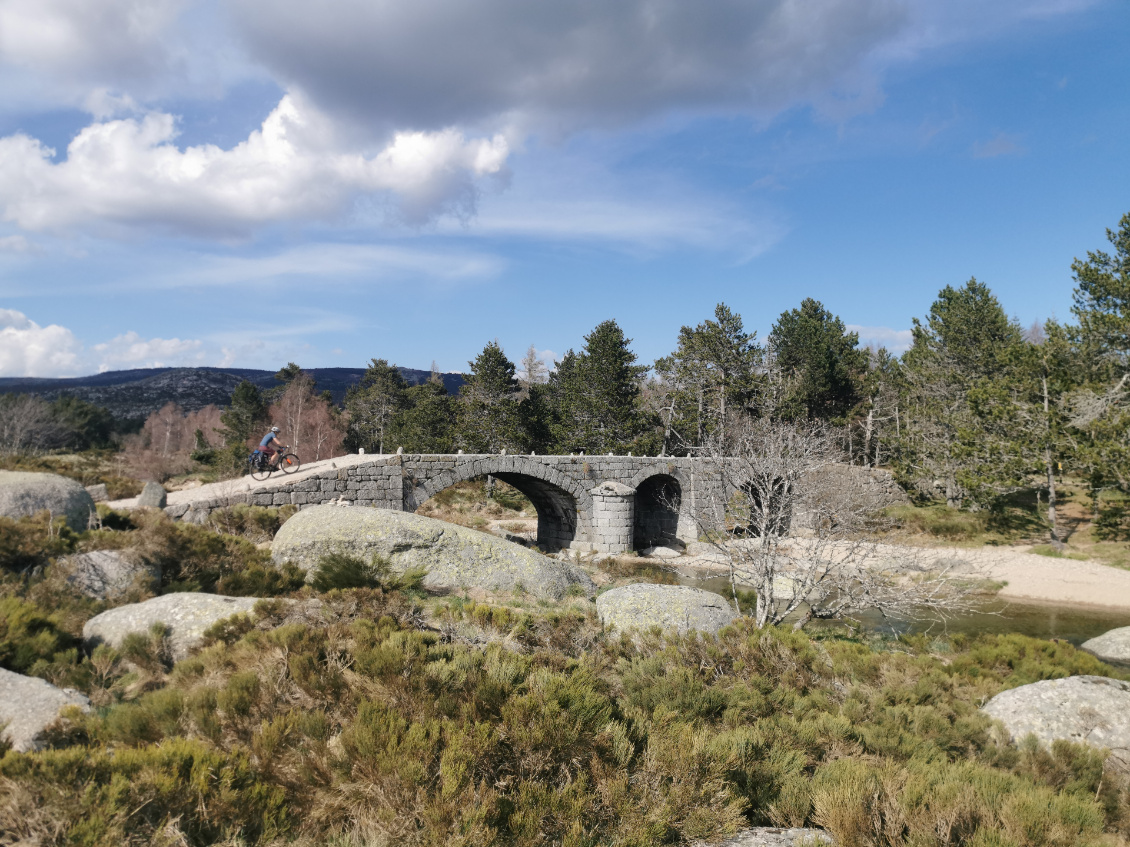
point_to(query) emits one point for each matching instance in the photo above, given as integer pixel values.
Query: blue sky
(251, 183)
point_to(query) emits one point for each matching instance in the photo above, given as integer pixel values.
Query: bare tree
(799, 527)
(307, 421)
(163, 446)
(532, 370)
(26, 424)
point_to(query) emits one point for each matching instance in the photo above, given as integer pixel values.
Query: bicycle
(260, 467)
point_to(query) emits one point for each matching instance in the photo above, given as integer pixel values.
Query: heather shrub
(503, 725)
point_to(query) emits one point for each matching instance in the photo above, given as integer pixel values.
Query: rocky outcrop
(1091, 710)
(152, 496)
(29, 705)
(453, 556)
(675, 608)
(1112, 646)
(24, 494)
(187, 615)
(104, 574)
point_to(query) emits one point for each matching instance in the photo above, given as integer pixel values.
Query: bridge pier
(613, 517)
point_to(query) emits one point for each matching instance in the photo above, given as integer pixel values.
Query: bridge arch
(659, 504)
(563, 507)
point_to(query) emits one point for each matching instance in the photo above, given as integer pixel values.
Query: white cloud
(895, 340)
(132, 351)
(336, 261)
(129, 172)
(16, 244)
(28, 349)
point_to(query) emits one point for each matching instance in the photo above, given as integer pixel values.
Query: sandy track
(1027, 576)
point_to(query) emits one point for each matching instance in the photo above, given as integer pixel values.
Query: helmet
(274, 429)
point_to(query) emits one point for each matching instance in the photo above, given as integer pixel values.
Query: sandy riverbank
(1027, 576)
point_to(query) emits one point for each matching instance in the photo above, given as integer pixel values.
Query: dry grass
(466, 504)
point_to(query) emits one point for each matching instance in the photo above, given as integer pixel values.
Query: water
(1074, 624)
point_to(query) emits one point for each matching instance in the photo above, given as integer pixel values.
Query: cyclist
(272, 446)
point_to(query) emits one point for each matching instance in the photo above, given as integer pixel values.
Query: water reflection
(1068, 623)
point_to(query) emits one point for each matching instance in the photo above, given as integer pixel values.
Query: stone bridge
(603, 504)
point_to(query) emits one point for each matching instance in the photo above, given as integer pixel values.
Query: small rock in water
(29, 705)
(1112, 646)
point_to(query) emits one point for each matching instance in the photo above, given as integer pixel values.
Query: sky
(248, 183)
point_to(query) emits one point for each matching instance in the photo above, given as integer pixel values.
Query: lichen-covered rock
(107, 573)
(152, 496)
(772, 836)
(24, 494)
(659, 552)
(29, 705)
(453, 556)
(676, 608)
(1091, 710)
(1112, 646)
(98, 493)
(186, 614)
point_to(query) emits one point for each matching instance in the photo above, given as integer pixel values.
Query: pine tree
(245, 415)
(372, 404)
(711, 375)
(817, 364)
(1099, 404)
(426, 424)
(958, 372)
(596, 397)
(489, 420)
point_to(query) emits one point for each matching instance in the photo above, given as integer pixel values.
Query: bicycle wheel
(289, 463)
(261, 469)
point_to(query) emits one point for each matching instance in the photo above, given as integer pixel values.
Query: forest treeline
(976, 408)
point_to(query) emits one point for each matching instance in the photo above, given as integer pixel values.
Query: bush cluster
(347, 719)
(367, 729)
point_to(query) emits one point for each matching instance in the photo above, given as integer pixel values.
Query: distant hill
(132, 395)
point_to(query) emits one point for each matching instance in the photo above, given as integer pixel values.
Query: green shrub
(177, 791)
(339, 570)
(30, 638)
(26, 543)
(258, 580)
(1113, 521)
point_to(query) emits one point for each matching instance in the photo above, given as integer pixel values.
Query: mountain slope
(132, 395)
